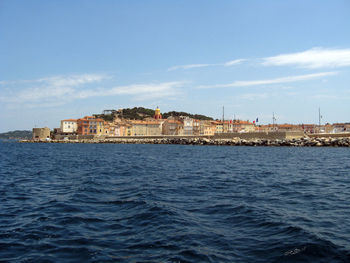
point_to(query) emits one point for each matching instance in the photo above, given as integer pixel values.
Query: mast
(319, 119)
(223, 118)
(223, 113)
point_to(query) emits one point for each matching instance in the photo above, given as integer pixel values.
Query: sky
(68, 59)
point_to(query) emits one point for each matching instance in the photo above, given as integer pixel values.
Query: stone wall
(41, 133)
(278, 135)
(329, 135)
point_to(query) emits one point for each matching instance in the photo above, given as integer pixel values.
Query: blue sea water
(173, 203)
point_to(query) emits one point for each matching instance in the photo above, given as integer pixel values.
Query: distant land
(16, 135)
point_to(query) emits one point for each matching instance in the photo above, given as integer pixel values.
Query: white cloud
(254, 96)
(325, 96)
(73, 80)
(140, 91)
(312, 58)
(69, 80)
(289, 79)
(233, 62)
(58, 90)
(191, 66)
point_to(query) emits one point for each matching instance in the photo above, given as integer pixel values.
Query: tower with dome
(157, 114)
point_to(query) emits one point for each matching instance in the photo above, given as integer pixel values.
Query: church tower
(157, 114)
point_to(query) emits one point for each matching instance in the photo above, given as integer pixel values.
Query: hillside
(140, 113)
(137, 113)
(16, 135)
(180, 113)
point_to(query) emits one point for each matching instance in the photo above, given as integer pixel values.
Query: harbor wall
(276, 135)
(245, 136)
(329, 135)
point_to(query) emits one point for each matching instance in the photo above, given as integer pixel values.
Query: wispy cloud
(67, 81)
(58, 90)
(233, 62)
(254, 96)
(312, 59)
(191, 66)
(326, 96)
(288, 79)
(139, 91)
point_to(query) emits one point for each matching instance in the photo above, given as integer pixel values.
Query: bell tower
(157, 114)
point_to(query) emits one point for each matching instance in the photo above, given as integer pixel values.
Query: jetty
(274, 139)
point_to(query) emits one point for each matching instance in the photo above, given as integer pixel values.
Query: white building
(188, 126)
(69, 126)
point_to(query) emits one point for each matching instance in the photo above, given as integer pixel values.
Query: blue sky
(68, 59)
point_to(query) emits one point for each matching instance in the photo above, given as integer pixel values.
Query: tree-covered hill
(140, 113)
(137, 113)
(180, 113)
(16, 135)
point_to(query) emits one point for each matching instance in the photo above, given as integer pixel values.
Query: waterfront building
(120, 127)
(90, 125)
(172, 126)
(227, 126)
(308, 128)
(69, 126)
(207, 127)
(146, 128)
(188, 126)
(242, 126)
(341, 127)
(100, 129)
(196, 127)
(107, 126)
(219, 128)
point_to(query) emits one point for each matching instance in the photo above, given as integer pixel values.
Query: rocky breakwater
(302, 142)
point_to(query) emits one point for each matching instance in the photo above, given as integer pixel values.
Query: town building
(207, 127)
(69, 126)
(188, 126)
(309, 128)
(172, 126)
(196, 127)
(341, 127)
(242, 126)
(90, 125)
(146, 128)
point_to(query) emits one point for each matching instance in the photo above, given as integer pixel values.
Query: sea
(173, 203)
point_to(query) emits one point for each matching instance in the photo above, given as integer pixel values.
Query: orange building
(90, 125)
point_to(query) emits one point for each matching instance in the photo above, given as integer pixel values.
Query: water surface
(173, 203)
